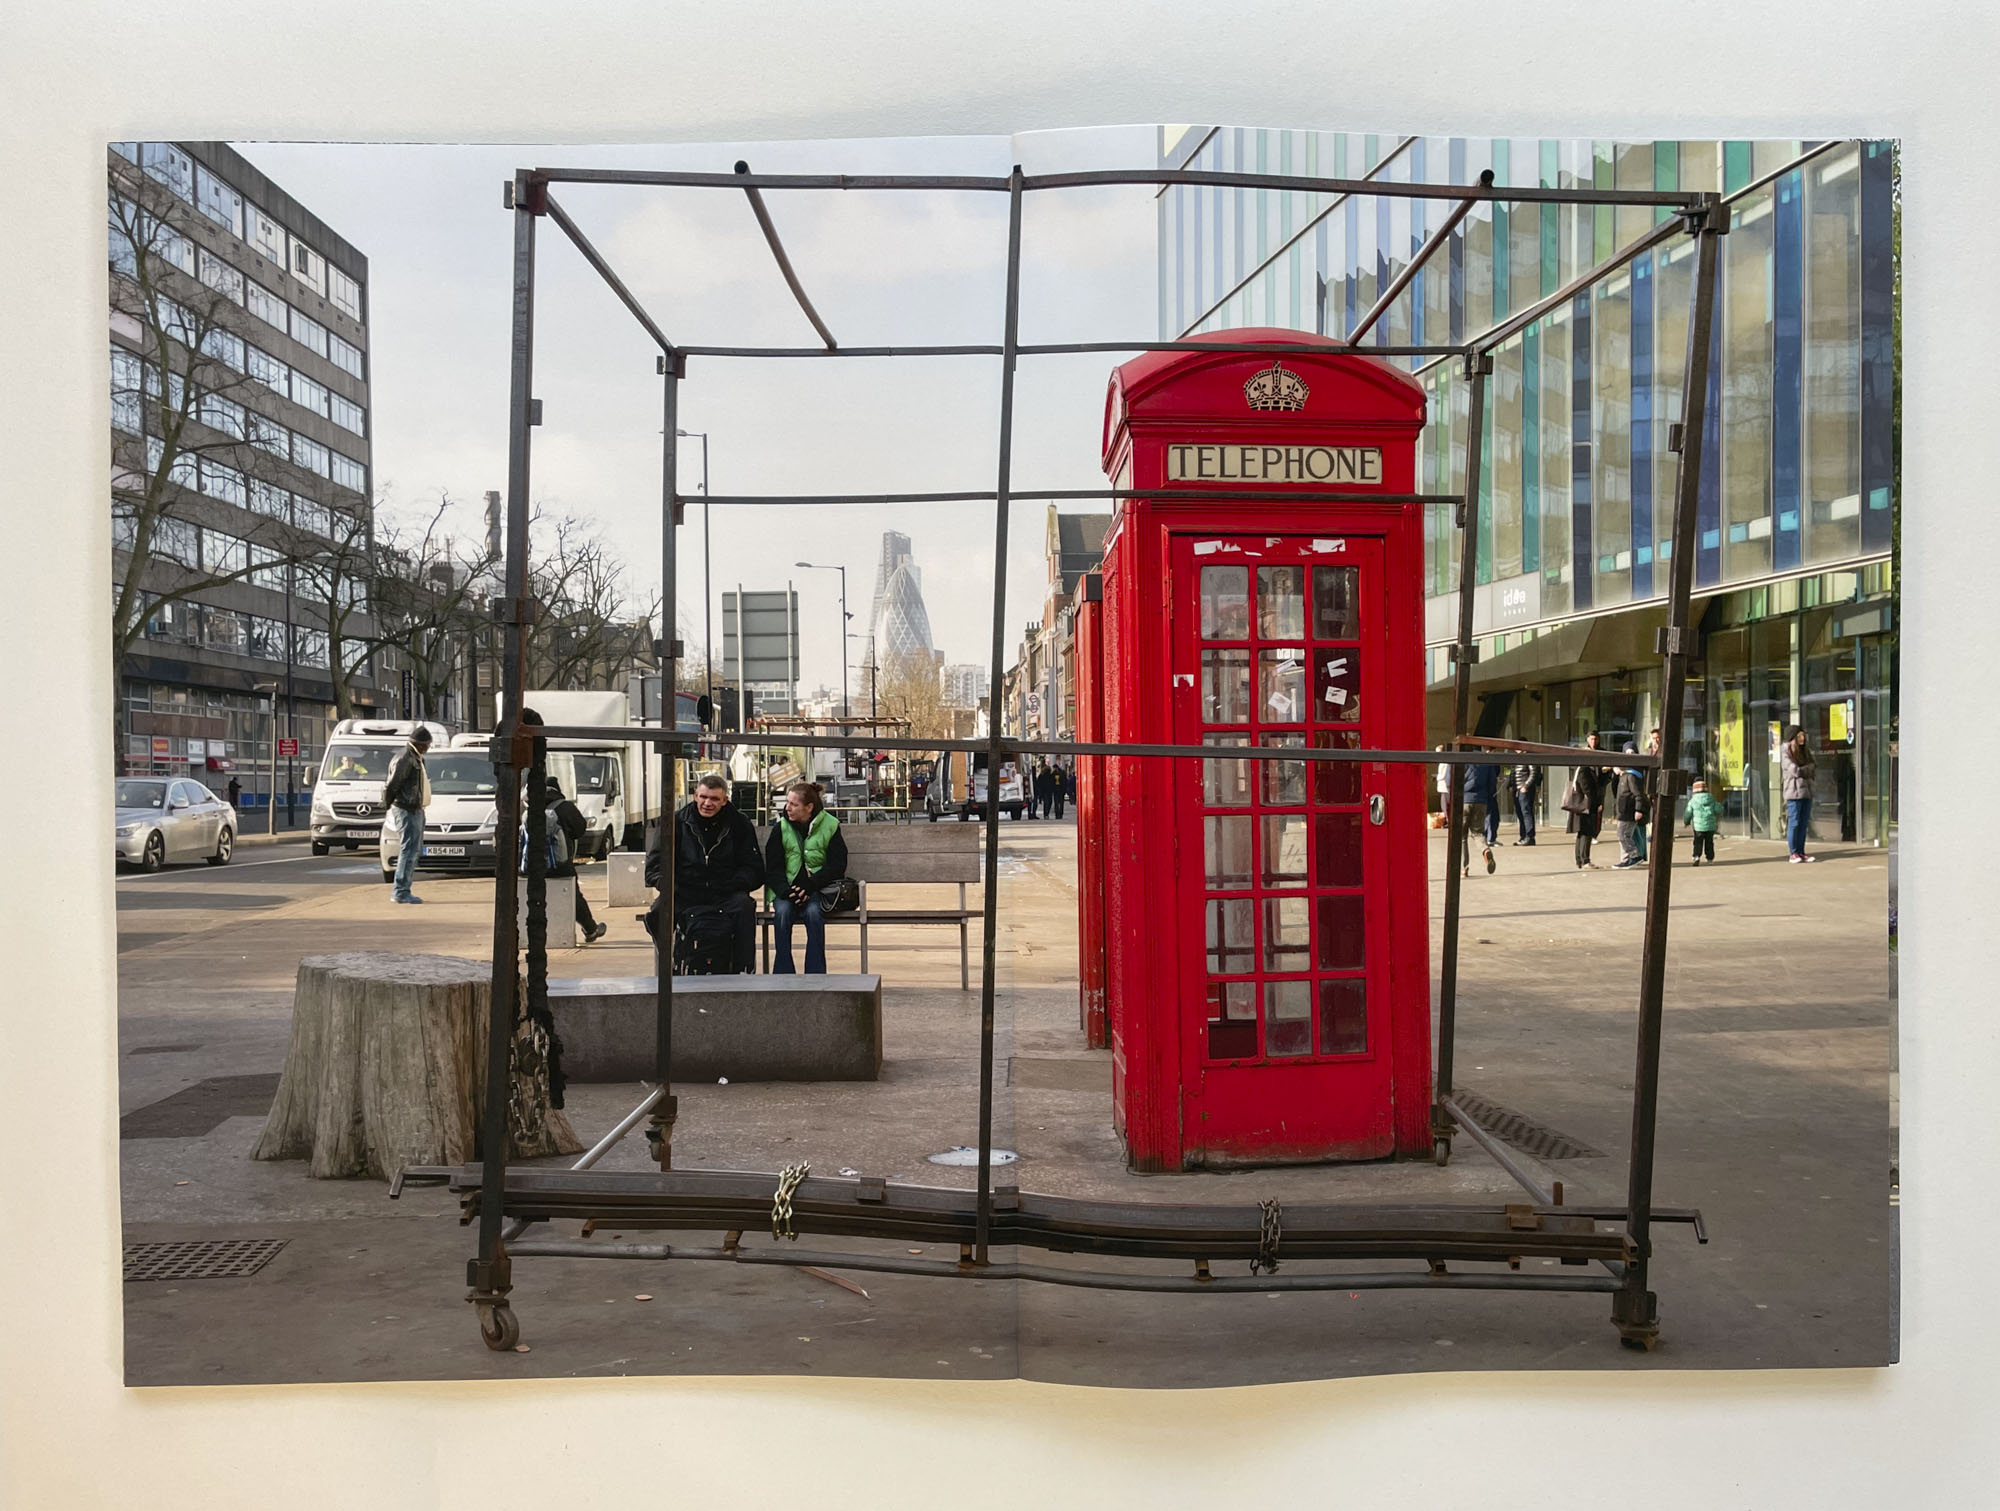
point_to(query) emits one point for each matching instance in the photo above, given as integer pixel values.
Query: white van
(949, 793)
(347, 806)
(459, 824)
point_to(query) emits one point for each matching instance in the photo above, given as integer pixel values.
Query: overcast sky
(881, 268)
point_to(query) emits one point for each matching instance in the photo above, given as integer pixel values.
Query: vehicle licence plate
(364, 833)
(444, 849)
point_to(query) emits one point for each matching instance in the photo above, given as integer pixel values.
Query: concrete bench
(748, 1028)
(882, 855)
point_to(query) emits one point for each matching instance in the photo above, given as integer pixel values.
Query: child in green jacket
(1704, 814)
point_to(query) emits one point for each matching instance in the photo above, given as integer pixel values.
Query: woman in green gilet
(804, 855)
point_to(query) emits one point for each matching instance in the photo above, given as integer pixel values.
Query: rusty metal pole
(990, 922)
(1464, 653)
(660, 1130)
(1635, 1309)
(488, 1273)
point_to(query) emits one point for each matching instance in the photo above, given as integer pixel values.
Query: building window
(267, 306)
(225, 347)
(346, 414)
(167, 164)
(266, 235)
(308, 646)
(121, 219)
(128, 406)
(176, 540)
(309, 333)
(348, 473)
(312, 456)
(218, 413)
(127, 150)
(268, 435)
(269, 371)
(170, 245)
(225, 483)
(309, 514)
(268, 571)
(345, 356)
(220, 276)
(308, 267)
(218, 201)
(268, 498)
(224, 629)
(345, 293)
(308, 394)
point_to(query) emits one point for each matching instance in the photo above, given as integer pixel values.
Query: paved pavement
(1776, 1120)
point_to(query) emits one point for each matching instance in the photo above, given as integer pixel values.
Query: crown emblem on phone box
(1276, 388)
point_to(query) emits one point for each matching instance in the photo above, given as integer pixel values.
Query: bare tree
(909, 688)
(586, 631)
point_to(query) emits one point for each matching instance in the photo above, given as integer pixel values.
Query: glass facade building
(1794, 576)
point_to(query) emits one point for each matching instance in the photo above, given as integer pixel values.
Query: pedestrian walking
(1629, 796)
(564, 827)
(1583, 801)
(1058, 788)
(407, 794)
(1704, 817)
(1482, 807)
(717, 865)
(1645, 814)
(1444, 785)
(1069, 785)
(804, 855)
(1796, 768)
(1527, 780)
(235, 792)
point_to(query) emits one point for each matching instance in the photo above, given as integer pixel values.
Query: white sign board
(1300, 466)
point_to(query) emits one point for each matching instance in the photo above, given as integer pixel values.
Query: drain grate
(1523, 1132)
(207, 1259)
(201, 1108)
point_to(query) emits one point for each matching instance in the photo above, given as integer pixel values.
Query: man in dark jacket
(569, 818)
(716, 865)
(1527, 782)
(407, 793)
(1482, 807)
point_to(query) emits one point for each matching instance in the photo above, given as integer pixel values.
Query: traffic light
(731, 716)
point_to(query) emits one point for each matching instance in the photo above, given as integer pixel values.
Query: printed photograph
(1160, 756)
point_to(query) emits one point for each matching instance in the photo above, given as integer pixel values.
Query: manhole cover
(207, 1259)
(1522, 1131)
(966, 1156)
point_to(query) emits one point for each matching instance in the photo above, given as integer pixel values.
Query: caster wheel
(498, 1326)
(1441, 1151)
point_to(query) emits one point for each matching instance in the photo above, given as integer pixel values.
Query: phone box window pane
(1225, 603)
(1336, 610)
(1287, 1018)
(1232, 1020)
(1337, 685)
(1340, 936)
(1281, 603)
(1337, 781)
(1287, 931)
(1284, 781)
(1343, 1017)
(1228, 850)
(1285, 850)
(1281, 687)
(1225, 784)
(1338, 838)
(1232, 951)
(1225, 687)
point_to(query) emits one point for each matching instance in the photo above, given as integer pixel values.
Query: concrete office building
(1795, 577)
(273, 466)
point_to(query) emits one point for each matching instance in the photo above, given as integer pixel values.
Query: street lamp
(270, 691)
(844, 617)
(707, 597)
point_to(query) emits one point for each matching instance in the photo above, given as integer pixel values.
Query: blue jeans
(412, 832)
(1798, 814)
(786, 912)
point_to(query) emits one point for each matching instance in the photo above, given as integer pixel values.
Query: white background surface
(73, 76)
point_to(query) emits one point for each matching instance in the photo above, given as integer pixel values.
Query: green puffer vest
(818, 835)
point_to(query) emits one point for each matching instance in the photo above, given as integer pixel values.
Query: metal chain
(781, 1203)
(1267, 1240)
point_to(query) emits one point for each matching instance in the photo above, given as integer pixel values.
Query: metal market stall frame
(506, 1201)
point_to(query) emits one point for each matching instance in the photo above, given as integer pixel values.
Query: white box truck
(618, 782)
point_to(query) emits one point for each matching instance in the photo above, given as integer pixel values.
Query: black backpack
(705, 943)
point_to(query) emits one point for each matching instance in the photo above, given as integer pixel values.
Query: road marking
(233, 866)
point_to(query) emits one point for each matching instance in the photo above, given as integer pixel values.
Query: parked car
(171, 818)
(462, 817)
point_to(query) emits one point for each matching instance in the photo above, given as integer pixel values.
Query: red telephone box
(1265, 925)
(1087, 631)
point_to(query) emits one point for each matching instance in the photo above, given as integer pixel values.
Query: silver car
(171, 818)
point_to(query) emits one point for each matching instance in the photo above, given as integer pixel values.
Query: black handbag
(842, 896)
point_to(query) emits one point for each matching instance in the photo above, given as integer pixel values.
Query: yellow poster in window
(1836, 724)
(1731, 733)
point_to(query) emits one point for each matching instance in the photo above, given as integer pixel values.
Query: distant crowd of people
(1050, 789)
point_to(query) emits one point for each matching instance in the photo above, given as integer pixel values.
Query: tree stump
(387, 1067)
